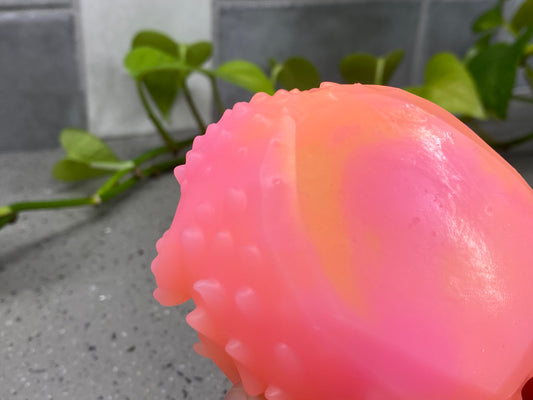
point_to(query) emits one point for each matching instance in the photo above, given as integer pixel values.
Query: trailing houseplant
(477, 87)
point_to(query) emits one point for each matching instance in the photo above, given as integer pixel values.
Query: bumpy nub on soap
(353, 242)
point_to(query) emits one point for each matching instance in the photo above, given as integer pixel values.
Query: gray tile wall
(322, 32)
(40, 83)
(326, 30)
(42, 91)
(448, 27)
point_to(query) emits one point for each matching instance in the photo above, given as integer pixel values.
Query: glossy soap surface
(353, 242)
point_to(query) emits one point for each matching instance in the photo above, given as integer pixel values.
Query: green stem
(45, 204)
(192, 107)
(275, 70)
(150, 154)
(380, 68)
(150, 171)
(163, 166)
(159, 126)
(115, 178)
(154, 153)
(111, 188)
(216, 94)
(9, 213)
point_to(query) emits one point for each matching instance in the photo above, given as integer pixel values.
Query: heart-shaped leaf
(144, 60)
(85, 147)
(494, 71)
(246, 75)
(490, 19)
(523, 16)
(449, 84)
(87, 157)
(71, 170)
(359, 68)
(198, 53)
(299, 73)
(163, 87)
(155, 40)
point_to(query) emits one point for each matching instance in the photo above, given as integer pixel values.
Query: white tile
(107, 28)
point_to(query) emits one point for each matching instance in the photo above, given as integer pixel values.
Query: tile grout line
(214, 29)
(79, 44)
(416, 69)
(34, 7)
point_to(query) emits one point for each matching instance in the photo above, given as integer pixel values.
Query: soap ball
(353, 242)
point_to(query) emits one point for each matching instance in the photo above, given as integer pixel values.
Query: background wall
(325, 31)
(61, 60)
(40, 85)
(61, 64)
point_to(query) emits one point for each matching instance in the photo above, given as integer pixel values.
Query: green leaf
(490, 19)
(449, 84)
(523, 16)
(299, 73)
(87, 157)
(144, 60)
(163, 87)
(494, 71)
(359, 68)
(392, 61)
(72, 170)
(198, 53)
(366, 68)
(155, 40)
(85, 147)
(246, 75)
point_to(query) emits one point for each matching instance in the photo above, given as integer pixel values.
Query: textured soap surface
(353, 242)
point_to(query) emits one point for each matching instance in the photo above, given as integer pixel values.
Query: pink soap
(353, 242)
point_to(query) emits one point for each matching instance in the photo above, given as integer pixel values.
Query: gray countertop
(77, 317)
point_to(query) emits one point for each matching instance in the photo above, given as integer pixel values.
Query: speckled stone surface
(77, 317)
